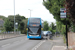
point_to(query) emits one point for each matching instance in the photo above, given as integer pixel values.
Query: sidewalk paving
(58, 43)
(58, 48)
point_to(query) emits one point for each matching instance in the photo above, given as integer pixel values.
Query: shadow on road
(44, 38)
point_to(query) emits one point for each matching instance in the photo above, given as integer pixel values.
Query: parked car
(47, 33)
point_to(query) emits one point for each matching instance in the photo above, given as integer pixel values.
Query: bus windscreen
(34, 20)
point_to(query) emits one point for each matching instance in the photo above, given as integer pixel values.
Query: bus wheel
(29, 38)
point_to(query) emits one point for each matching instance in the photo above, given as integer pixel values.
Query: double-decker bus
(34, 28)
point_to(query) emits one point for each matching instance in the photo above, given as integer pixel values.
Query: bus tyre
(29, 38)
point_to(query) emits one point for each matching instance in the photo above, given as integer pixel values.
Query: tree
(70, 9)
(54, 7)
(46, 26)
(23, 18)
(61, 28)
(2, 17)
(52, 28)
(25, 26)
(7, 25)
(19, 19)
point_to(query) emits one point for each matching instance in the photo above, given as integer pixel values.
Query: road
(22, 43)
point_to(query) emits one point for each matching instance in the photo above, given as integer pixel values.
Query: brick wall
(71, 40)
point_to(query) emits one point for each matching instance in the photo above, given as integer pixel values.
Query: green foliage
(7, 25)
(61, 28)
(64, 38)
(21, 26)
(23, 18)
(25, 26)
(52, 28)
(45, 26)
(18, 19)
(2, 17)
(54, 7)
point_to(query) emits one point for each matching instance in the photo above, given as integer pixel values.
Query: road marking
(38, 45)
(5, 45)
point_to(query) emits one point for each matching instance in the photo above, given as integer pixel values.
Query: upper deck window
(34, 20)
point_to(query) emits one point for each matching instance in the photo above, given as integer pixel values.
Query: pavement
(58, 43)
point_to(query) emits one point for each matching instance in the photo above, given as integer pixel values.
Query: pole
(66, 29)
(65, 16)
(30, 12)
(14, 16)
(66, 33)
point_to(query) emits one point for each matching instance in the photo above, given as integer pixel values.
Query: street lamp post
(16, 24)
(16, 27)
(30, 12)
(14, 16)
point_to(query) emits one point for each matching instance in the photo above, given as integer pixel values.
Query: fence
(9, 34)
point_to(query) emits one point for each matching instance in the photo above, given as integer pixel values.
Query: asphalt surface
(22, 43)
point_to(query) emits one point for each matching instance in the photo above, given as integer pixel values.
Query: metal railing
(11, 34)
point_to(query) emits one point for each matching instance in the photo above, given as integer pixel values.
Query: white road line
(5, 45)
(38, 45)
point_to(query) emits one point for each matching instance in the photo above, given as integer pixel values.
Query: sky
(22, 8)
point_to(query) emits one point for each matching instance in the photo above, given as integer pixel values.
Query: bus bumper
(36, 37)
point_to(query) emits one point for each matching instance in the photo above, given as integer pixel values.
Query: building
(1, 25)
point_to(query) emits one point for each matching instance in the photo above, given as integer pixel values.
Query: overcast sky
(22, 6)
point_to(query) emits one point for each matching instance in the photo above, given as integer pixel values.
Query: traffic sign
(62, 13)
